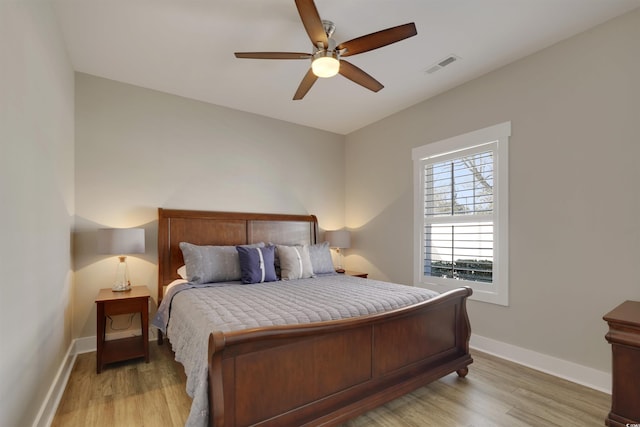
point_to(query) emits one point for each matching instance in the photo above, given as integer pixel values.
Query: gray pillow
(294, 262)
(209, 264)
(321, 261)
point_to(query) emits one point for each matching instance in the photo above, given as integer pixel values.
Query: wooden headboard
(223, 229)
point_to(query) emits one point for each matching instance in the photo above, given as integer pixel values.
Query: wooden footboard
(326, 373)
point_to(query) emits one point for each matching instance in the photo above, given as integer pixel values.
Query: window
(461, 213)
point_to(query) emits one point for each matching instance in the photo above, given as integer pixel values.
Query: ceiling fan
(326, 59)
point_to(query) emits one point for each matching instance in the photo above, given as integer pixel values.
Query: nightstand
(624, 337)
(111, 303)
(356, 274)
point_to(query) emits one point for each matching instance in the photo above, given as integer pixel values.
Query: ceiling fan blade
(312, 22)
(306, 83)
(356, 75)
(378, 39)
(273, 55)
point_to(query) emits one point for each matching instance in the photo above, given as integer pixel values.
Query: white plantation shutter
(458, 210)
(461, 218)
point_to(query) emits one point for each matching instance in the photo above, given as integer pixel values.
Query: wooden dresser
(624, 337)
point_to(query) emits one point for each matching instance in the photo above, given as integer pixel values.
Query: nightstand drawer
(125, 306)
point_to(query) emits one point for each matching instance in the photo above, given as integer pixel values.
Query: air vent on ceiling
(442, 63)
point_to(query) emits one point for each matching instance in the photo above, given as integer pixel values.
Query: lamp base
(121, 283)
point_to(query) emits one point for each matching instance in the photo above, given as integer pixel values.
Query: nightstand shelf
(112, 303)
(123, 349)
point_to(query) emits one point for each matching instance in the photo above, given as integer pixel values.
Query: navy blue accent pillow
(257, 264)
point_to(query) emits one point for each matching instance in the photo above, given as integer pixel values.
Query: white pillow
(295, 262)
(182, 272)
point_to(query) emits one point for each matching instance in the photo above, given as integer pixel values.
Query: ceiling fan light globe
(325, 66)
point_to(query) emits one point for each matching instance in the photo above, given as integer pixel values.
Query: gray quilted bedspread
(190, 313)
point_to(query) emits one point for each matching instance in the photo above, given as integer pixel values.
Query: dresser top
(627, 313)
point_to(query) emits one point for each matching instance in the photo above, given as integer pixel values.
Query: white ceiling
(185, 47)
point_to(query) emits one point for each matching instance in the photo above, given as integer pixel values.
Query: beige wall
(138, 149)
(575, 233)
(36, 194)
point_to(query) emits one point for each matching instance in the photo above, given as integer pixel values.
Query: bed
(320, 373)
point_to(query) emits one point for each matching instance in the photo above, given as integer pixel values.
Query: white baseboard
(54, 395)
(564, 369)
(85, 345)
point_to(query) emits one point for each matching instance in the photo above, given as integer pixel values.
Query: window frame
(496, 137)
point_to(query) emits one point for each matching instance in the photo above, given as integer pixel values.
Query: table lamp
(121, 242)
(339, 239)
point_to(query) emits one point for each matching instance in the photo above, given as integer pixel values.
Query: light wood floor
(495, 393)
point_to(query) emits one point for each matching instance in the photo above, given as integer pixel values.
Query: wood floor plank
(495, 393)
(484, 405)
(553, 408)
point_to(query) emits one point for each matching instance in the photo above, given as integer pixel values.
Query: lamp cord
(121, 329)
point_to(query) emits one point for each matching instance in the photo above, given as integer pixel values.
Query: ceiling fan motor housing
(329, 27)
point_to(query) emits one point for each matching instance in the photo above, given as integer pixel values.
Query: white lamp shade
(338, 238)
(121, 241)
